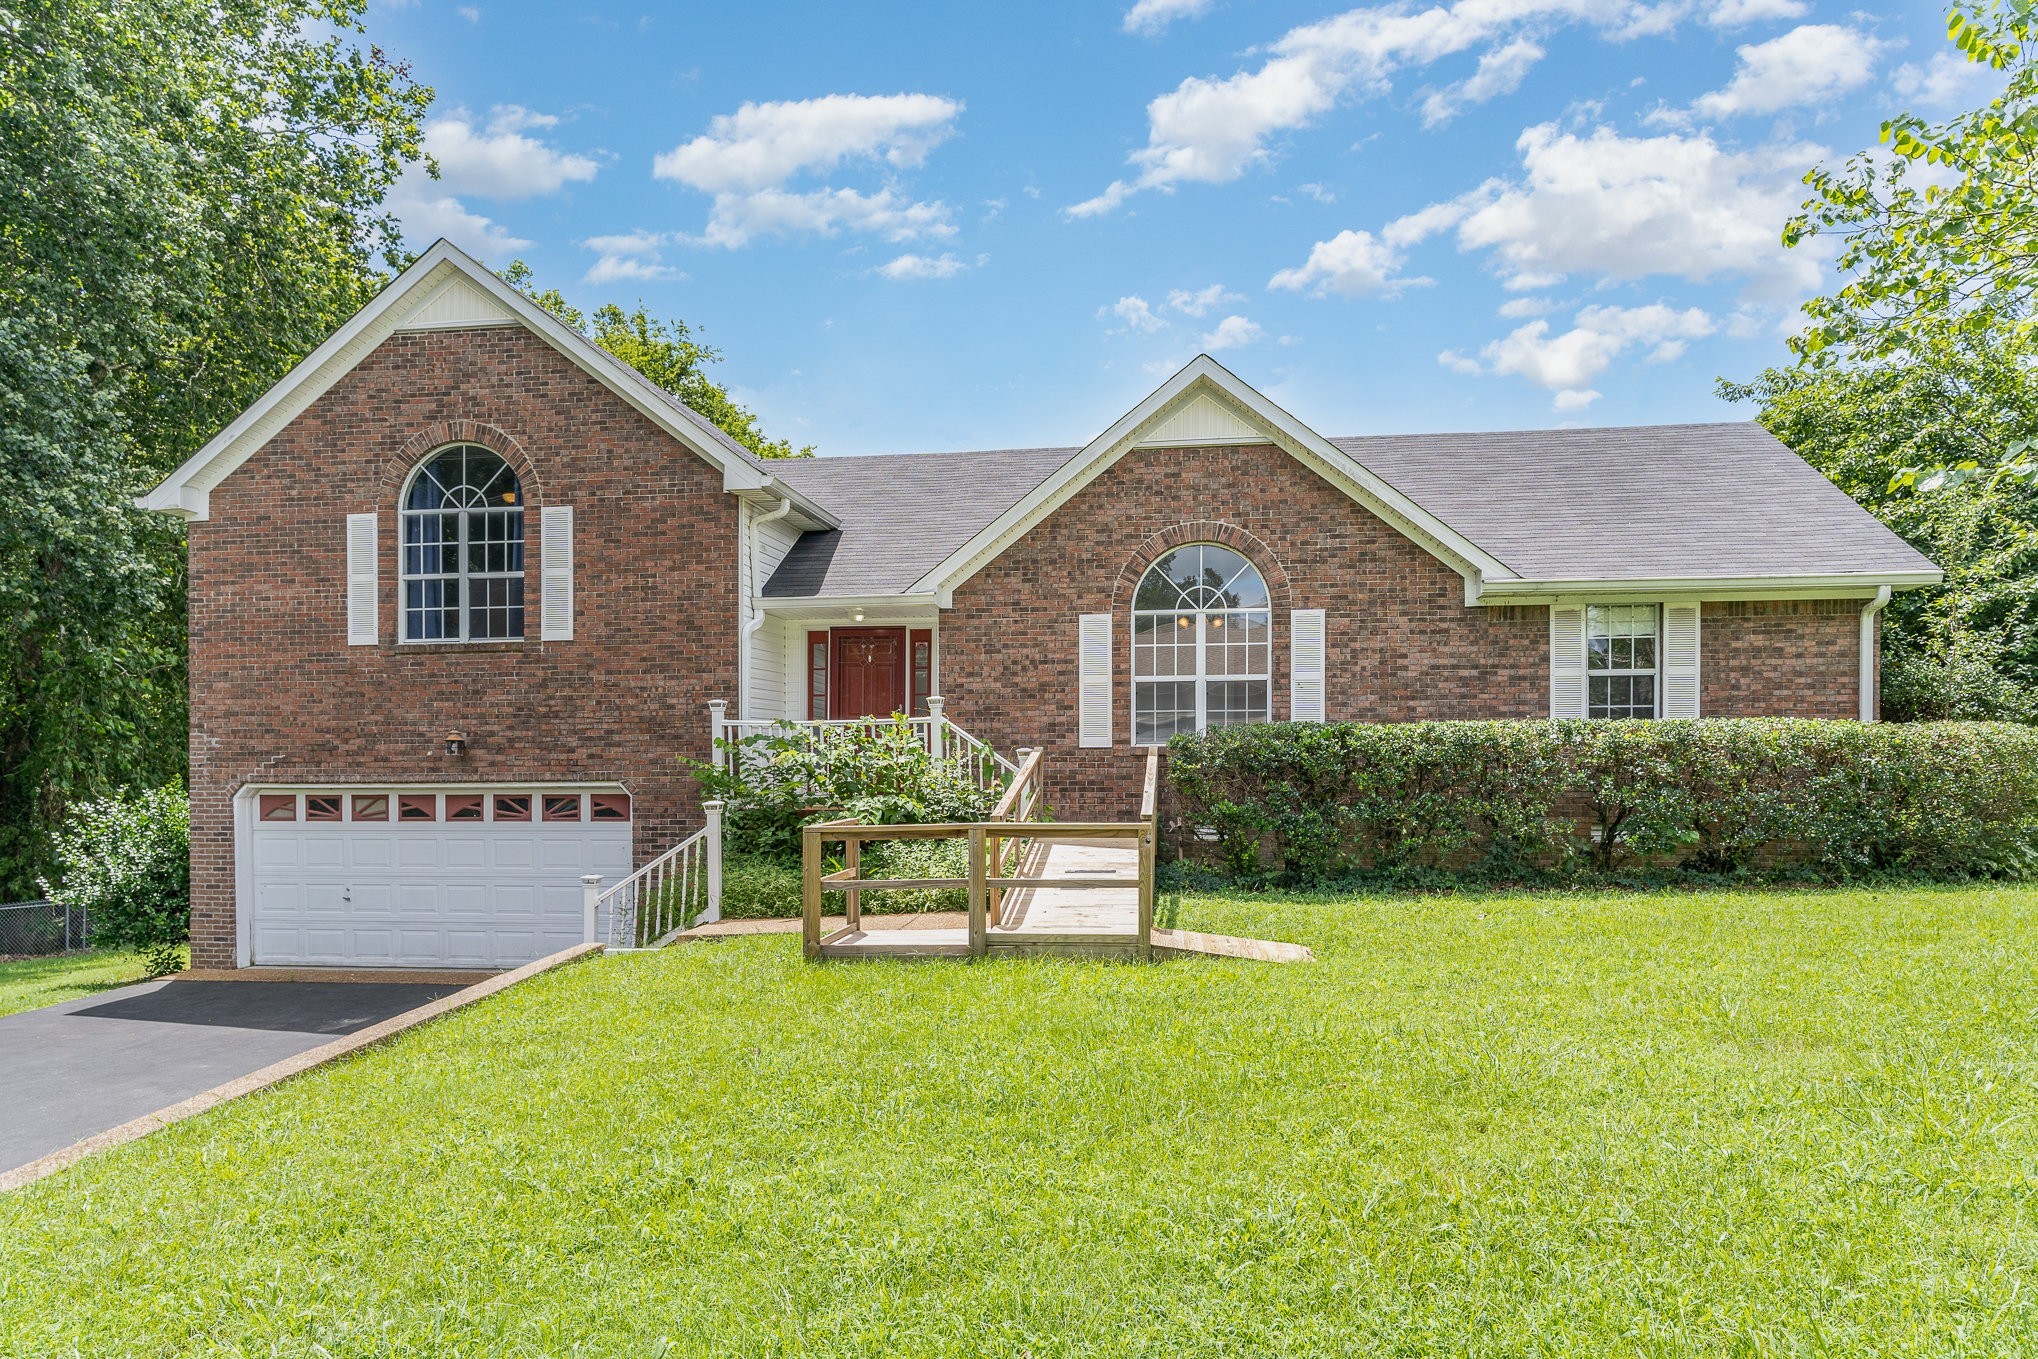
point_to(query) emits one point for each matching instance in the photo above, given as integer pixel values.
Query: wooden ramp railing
(988, 880)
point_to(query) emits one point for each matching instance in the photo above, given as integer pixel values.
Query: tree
(1968, 648)
(665, 352)
(1939, 235)
(1916, 375)
(189, 202)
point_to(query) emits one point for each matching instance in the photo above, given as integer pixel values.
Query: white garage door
(414, 878)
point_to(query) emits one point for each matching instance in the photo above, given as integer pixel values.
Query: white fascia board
(379, 319)
(921, 600)
(1851, 586)
(1297, 439)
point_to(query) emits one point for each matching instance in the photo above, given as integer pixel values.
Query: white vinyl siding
(1305, 665)
(555, 556)
(1567, 661)
(363, 608)
(1093, 681)
(772, 658)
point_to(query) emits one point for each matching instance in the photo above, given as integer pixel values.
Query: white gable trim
(1202, 396)
(187, 490)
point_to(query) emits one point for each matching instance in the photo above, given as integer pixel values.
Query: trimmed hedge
(1317, 802)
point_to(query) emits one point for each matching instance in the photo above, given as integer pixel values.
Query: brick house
(463, 585)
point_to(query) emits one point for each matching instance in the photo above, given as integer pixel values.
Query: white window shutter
(1680, 660)
(1093, 684)
(555, 579)
(1305, 665)
(1567, 662)
(362, 605)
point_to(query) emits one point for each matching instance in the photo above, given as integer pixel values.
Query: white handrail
(951, 745)
(677, 890)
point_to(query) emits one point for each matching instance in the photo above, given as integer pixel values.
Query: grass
(31, 983)
(1718, 1124)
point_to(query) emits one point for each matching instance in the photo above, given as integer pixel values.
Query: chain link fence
(34, 929)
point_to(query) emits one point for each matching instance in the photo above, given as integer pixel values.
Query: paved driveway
(86, 1065)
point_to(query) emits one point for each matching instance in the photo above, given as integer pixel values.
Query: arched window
(463, 548)
(1202, 651)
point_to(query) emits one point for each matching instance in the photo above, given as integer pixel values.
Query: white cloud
(1948, 82)
(497, 160)
(747, 158)
(1319, 193)
(1734, 13)
(1349, 264)
(1565, 363)
(427, 214)
(1618, 207)
(1808, 65)
(1211, 131)
(1233, 332)
(1151, 16)
(636, 256)
(922, 266)
(1134, 313)
(1202, 300)
(470, 13)
(1500, 72)
(1524, 306)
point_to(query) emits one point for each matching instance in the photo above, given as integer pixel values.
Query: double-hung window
(463, 549)
(1202, 653)
(1621, 660)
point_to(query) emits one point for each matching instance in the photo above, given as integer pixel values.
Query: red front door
(870, 672)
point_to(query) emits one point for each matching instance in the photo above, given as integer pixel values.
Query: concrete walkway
(76, 1069)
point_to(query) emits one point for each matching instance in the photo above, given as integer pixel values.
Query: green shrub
(757, 887)
(1312, 803)
(126, 860)
(773, 784)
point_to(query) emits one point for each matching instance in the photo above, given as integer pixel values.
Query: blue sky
(960, 226)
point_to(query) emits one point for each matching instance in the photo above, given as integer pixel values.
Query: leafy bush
(757, 888)
(1317, 802)
(776, 783)
(126, 860)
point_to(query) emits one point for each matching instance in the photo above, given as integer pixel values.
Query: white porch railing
(947, 743)
(677, 890)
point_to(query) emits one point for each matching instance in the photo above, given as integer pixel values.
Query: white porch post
(935, 724)
(590, 893)
(717, 707)
(713, 808)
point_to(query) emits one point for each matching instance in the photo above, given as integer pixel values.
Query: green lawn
(1744, 1124)
(30, 983)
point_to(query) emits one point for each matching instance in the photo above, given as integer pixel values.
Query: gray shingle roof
(901, 514)
(1641, 503)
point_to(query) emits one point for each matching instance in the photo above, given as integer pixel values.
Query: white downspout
(1868, 629)
(756, 602)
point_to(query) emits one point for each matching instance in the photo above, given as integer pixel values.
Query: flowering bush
(126, 860)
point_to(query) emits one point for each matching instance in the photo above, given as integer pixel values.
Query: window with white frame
(1202, 652)
(463, 549)
(1621, 645)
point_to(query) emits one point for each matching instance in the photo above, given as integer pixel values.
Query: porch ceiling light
(856, 615)
(456, 743)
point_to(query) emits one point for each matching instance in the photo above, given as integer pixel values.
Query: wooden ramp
(1092, 921)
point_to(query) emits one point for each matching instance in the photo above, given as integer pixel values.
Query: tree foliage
(1938, 232)
(1968, 648)
(125, 860)
(664, 351)
(189, 202)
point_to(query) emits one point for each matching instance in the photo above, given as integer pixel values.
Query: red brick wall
(1781, 658)
(277, 695)
(1401, 645)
